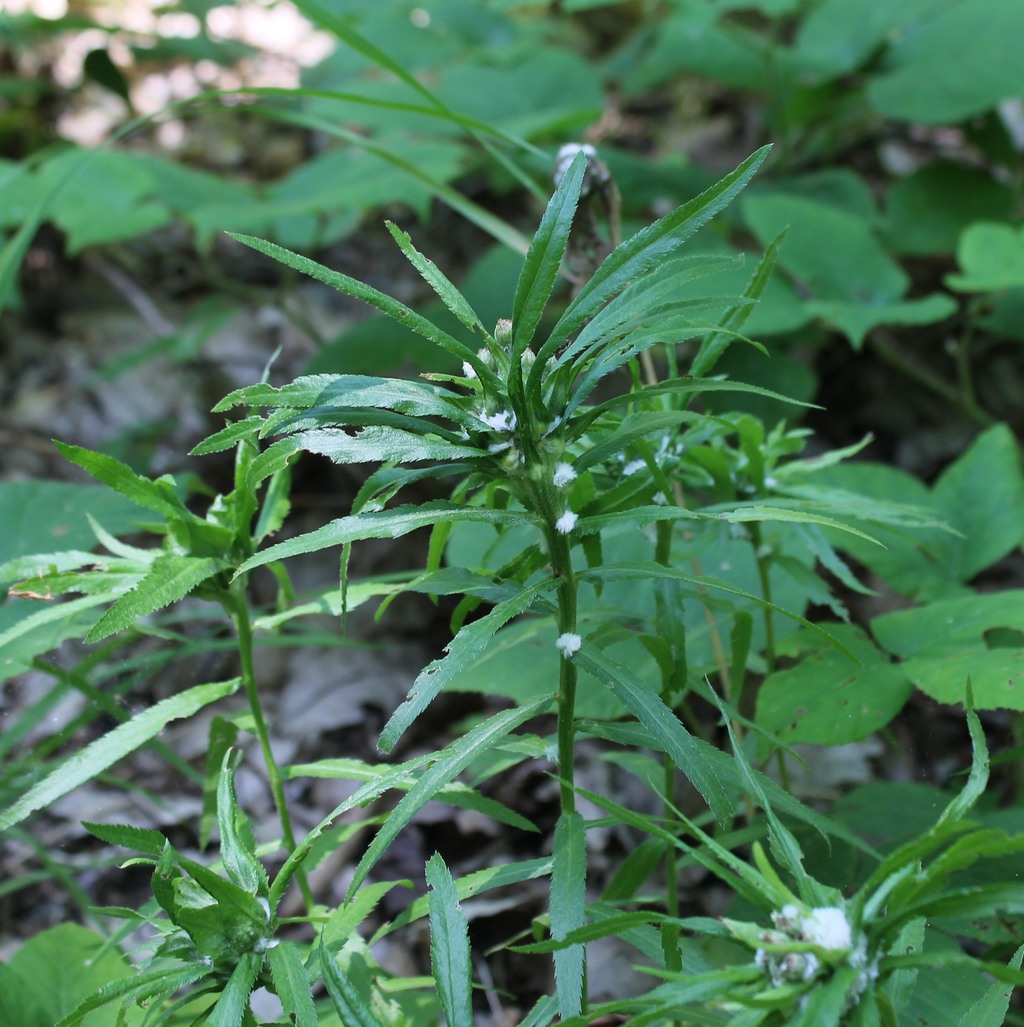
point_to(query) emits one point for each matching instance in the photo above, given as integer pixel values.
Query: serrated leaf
(351, 1007)
(568, 907)
(662, 723)
(383, 524)
(734, 318)
(103, 753)
(432, 275)
(451, 761)
(461, 651)
(237, 846)
(637, 255)
(380, 445)
(140, 839)
(170, 578)
(449, 944)
(228, 436)
(292, 983)
(234, 999)
(990, 1011)
(540, 269)
(152, 495)
(352, 287)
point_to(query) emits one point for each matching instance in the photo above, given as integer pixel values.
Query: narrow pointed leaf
(237, 847)
(449, 944)
(170, 578)
(637, 255)
(733, 319)
(103, 753)
(353, 287)
(292, 983)
(450, 762)
(540, 269)
(991, 1009)
(383, 524)
(234, 999)
(662, 723)
(461, 652)
(153, 495)
(437, 280)
(229, 436)
(568, 906)
(351, 1007)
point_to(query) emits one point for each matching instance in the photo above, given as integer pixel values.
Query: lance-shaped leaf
(433, 276)
(714, 345)
(450, 762)
(233, 1002)
(170, 578)
(382, 524)
(662, 723)
(461, 651)
(384, 303)
(378, 445)
(449, 944)
(103, 753)
(237, 845)
(568, 906)
(158, 496)
(291, 983)
(540, 269)
(637, 255)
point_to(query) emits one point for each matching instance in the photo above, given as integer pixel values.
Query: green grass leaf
(568, 908)
(103, 753)
(449, 944)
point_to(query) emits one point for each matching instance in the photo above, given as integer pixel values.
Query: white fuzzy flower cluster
(564, 474)
(826, 927)
(501, 421)
(566, 522)
(568, 643)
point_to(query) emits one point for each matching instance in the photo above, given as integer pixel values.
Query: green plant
(582, 496)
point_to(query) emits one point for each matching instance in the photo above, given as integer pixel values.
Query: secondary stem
(238, 608)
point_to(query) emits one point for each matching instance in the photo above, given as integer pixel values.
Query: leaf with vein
(103, 753)
(449, 944)
(460, 652)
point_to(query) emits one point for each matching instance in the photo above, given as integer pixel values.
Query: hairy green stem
(237, 608)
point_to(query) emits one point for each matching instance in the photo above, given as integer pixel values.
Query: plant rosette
(805, 945)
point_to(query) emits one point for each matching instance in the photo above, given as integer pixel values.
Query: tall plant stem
(561, 562)
(238, 609)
